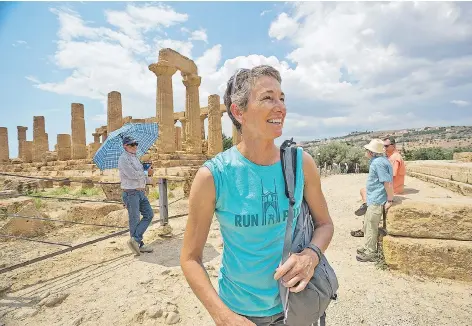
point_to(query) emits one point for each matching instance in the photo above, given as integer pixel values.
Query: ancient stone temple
(177, 154)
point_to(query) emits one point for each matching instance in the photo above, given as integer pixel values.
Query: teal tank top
(252, 209)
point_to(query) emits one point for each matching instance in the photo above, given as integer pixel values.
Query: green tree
(227, 142)
(340, 153)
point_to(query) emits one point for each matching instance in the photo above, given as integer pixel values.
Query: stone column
(64, 151)
(79, 147)
(236, 136)
(21, 140)
(164, 107)
(27, 151)
(96, 137)
(114, 111)
(202, 122)
(193, 143)
(4, 149)
(178, 138)
(40, 139)
(183, 121)
(215, 131)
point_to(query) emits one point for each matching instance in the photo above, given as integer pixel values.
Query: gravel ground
(104, 284)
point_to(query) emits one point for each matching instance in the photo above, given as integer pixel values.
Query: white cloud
(199, 35)
(460, 103)
(284, 26)
(136, 20)
(352, 65)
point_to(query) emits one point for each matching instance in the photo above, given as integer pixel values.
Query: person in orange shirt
(396, 159)
(399, 171)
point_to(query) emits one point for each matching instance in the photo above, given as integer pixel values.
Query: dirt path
(106, 285)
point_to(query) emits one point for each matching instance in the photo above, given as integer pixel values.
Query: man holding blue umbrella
(133, 182)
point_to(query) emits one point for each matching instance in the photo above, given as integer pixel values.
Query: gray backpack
(308, 306)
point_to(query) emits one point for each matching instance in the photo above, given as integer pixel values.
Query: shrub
(340, 153)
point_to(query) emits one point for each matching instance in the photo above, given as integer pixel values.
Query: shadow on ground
(167, 252)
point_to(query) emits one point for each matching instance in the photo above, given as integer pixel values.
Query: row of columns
(192, 131)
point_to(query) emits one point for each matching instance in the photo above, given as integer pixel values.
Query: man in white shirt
(133, 182)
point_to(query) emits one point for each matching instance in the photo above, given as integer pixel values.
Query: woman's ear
(237, 112)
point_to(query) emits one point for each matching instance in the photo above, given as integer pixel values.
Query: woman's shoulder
(221, 160)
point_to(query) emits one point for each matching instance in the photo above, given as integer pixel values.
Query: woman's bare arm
(201, 210)
(313, 194)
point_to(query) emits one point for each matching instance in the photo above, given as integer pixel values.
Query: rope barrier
(60, 221)
(33, 240)
(69, 249)
(66, 179)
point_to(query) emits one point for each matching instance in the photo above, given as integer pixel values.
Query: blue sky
(345, 66)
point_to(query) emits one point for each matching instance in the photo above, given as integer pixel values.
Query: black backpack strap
(287, 149)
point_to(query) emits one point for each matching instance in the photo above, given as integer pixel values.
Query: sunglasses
(387, 145)
(133, 145)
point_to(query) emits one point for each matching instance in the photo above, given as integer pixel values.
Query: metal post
(163, 202)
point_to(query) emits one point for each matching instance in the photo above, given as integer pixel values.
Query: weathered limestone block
(40, 138)
(27, 227)
(164, 106)
(236, 136)
(215, 131)
(92, 212)
(79, 147)
(192, 114)
(459, 187)
(446, 171)
(428, 220)
(114, 111)
(4, 152)
(171, 57)
(436, 258)
(64, 150)
(21, 139)
(48, 157)
(463, 157)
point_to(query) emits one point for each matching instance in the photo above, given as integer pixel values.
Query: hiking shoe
(364, 257)
(357, 233)
(361, 210)
(134, 246)
(144, 248)
(361, 251)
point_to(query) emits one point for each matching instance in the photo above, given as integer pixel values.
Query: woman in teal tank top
(244, 188)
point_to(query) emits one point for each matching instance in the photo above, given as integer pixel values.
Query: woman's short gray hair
(239, 86)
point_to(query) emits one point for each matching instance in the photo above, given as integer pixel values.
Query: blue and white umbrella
(108, 154)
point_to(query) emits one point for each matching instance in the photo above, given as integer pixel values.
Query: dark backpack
(308, 306)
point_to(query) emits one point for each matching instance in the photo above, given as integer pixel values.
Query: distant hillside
(445, 137)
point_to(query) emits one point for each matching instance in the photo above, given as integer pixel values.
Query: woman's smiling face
(265, 114)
